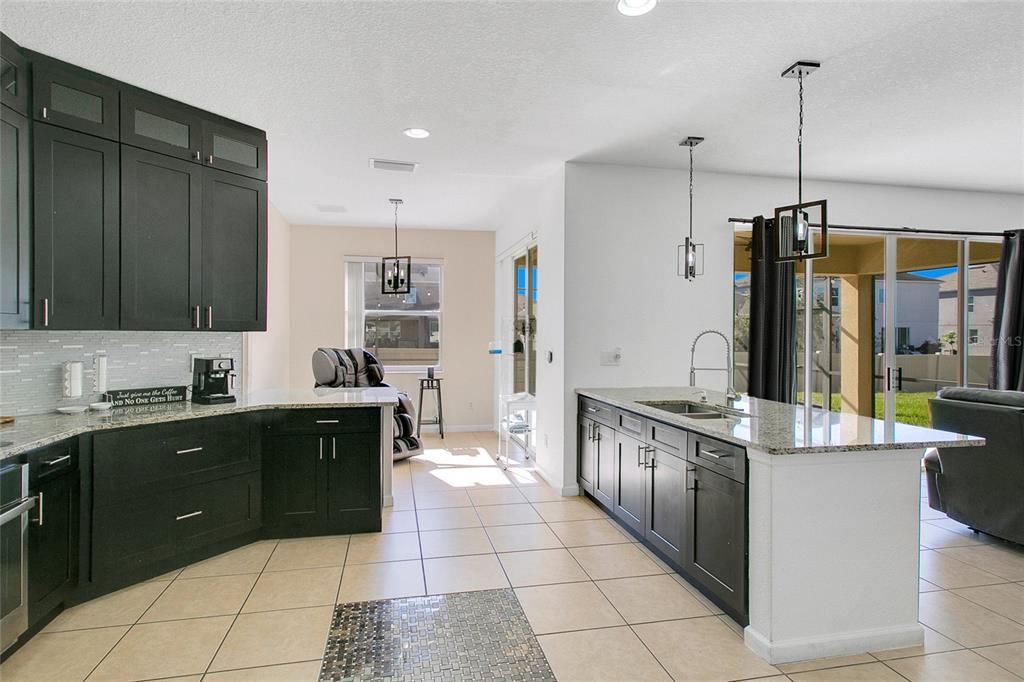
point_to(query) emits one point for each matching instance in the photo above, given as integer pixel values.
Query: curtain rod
(901, 230)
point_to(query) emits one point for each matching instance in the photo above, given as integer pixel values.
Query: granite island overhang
(832, 519)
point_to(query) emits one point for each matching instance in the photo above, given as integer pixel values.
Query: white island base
(833, 553)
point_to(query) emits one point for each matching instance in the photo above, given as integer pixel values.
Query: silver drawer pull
(712, 454)
(187, 450)
(55, 462)
(187, 516)
(327, 421)
(592, 410)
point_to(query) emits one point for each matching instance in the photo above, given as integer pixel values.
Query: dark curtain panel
(1008, 329)
(772, 319)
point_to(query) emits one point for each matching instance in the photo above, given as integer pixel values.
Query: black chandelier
(690, 256)
(396, 271)
(796, 232)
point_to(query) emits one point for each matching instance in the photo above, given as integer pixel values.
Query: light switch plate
(611, 357)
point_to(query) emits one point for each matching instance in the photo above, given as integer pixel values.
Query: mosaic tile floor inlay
(464, 636)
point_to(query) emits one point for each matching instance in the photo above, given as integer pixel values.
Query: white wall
(268, 354)
(317, 298)
(537, 213)
(619, 231)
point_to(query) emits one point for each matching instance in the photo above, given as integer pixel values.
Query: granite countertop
(32, 431)
(780, 428)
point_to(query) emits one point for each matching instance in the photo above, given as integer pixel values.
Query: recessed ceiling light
(416, 133)
(634, 8)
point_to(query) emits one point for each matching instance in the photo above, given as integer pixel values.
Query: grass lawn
(911, 408)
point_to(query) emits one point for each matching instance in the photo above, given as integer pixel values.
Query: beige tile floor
(602, 606)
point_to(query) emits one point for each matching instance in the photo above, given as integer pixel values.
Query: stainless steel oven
(15, 504)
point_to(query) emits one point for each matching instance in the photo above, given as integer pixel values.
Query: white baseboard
(570, 491)
(839, 644)
(459, 428)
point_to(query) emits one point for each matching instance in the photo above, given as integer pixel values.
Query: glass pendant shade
(691, 259)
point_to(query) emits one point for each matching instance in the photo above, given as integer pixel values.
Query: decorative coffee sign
(131, 397)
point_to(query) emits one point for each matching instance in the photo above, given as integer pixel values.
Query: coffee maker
(212, 380)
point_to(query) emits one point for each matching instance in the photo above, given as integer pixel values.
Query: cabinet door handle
(334, 448)
(597, 433)
(46, 113)
(55, 462)
(591, 410)
(209, 317)
(188, 450)
(197, 155)
(39, 505)
(187, 516)
(711, 453)
(197, 324)
(648, 450)
(640, 462)
(209, 159)
(327, 421)
(321, 448)
(46, 312)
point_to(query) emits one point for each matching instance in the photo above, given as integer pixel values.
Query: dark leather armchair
(982, 487)
(353, 367)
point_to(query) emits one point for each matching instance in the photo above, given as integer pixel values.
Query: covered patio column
(856, 367)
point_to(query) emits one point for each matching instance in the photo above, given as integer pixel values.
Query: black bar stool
(431, 384)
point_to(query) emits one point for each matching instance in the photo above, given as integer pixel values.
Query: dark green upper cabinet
(74, 98)
(159, 124)
(14, 76)
(235, 147)
(15, 225)
(161, 242)
(234, 262)
(76, 230)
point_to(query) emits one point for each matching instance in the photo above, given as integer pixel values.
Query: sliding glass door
(896, 317)
(937, 332)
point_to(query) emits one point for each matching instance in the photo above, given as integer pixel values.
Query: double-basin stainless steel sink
(693, 410)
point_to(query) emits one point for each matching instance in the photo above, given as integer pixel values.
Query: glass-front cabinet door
(73, 98)
(160, 125)
(235, 148)
(13, 76)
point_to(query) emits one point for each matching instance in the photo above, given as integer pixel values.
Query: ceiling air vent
(399, 166)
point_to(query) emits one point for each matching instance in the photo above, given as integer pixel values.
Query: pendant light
(690, 256)
(396, 272)
(795, 236)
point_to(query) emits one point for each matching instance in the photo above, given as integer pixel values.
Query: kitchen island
(802, 524)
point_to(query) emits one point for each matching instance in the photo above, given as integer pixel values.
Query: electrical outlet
(611, 357)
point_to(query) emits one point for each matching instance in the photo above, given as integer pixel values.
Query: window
(972, 336)
(970, 304)
(902, 339)
(401, 330)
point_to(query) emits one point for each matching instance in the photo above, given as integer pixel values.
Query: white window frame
(355, 311)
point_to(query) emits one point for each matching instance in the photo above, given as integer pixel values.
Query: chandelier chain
(800, 143)
(396, 229)
(691, 193)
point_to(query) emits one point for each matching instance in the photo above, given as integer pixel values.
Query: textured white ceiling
(914, 93)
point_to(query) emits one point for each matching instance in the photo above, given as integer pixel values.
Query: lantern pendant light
(396, 271)
(795, 236)
(690, 255)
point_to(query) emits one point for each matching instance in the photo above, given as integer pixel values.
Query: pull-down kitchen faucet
(730, 392)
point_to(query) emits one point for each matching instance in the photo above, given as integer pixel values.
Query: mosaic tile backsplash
(31, 363)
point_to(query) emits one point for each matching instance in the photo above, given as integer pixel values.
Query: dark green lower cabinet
(132, 534)
(294, 482)
(53, 545)
(716, 539)
(665, 522)
(630, 482)
(321, 484)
